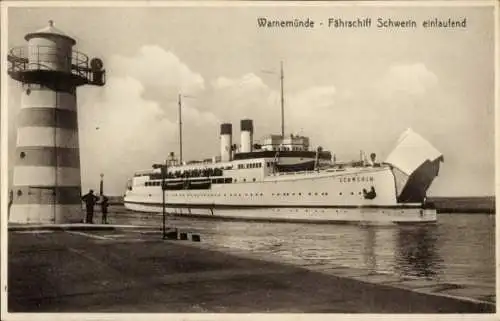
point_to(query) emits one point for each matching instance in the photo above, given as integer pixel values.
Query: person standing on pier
(11, 200)
(90, 200)
(104, 209)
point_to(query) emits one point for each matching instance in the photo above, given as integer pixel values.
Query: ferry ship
(281, 179)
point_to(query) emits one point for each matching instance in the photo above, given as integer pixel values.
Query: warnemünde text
(361, 23)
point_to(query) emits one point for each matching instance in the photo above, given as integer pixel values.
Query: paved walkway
(134, 270)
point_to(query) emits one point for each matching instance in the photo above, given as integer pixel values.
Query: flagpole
(282, 101)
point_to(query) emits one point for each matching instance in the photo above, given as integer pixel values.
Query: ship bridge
(285, 143)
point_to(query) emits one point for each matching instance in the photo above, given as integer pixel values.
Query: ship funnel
(246, 135)
(226, 142)
(415, 165)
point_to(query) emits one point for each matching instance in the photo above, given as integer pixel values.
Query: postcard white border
(212, 316)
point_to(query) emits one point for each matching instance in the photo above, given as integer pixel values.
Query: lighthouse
(46, 185)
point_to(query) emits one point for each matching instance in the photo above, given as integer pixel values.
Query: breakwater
(484, 204)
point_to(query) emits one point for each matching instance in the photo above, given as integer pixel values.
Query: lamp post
(101, 185)
(163, 188)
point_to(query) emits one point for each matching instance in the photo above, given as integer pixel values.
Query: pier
(126, 268)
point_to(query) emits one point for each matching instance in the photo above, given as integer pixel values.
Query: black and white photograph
(207, 160)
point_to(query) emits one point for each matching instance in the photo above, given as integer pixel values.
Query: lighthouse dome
(50, 31)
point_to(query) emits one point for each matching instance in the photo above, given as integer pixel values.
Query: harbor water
(459, 249)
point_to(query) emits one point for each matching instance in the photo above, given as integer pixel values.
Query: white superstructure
(281, 179)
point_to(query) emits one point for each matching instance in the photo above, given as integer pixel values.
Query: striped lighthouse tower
(47, 183)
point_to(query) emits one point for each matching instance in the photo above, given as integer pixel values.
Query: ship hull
(327, 196)
(317, 214)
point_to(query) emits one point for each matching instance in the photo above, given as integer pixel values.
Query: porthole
(22, 155)
(19, 192)
(340, 193)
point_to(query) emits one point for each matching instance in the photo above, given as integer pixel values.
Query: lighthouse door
(46, 198)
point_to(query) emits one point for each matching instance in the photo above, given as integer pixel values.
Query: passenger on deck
(90, 200)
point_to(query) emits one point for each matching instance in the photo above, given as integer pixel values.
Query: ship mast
(180, 129)
(282, 102)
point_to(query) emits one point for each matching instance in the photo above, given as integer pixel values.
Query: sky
(347, 89)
